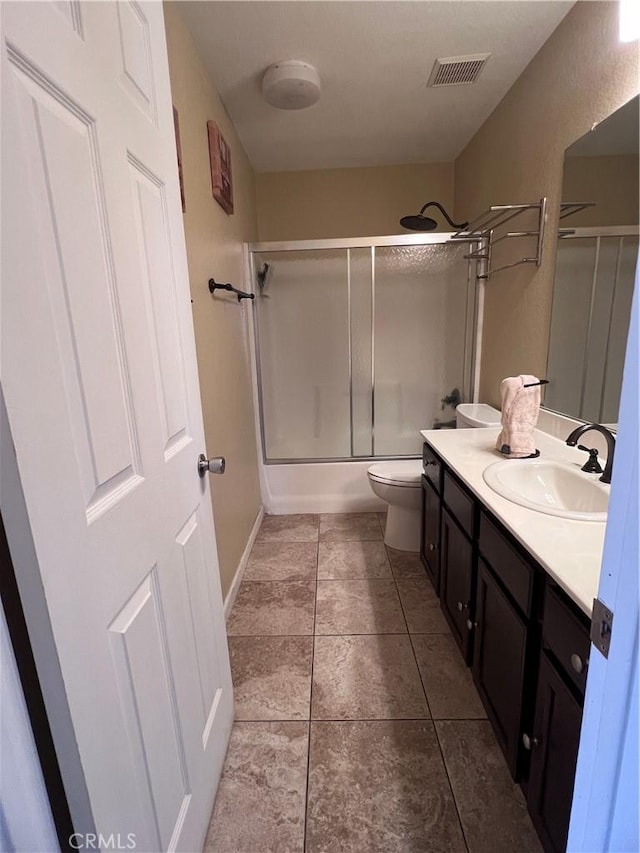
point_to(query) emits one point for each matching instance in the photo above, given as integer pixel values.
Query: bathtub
(318, 487)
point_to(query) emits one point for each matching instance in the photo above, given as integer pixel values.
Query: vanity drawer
(432, 468)
(511, 568)
(566, 637)
(459, 502)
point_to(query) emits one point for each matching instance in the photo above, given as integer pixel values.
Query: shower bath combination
(358, 342)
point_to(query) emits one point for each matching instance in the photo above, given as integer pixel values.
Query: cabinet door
(499, 662)
(554, 753)
(456, 575)
(430, 542)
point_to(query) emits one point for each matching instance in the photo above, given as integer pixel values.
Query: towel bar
(214, 285)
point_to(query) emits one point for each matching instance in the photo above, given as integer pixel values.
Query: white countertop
(570, 551)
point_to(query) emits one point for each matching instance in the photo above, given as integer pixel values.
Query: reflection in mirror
(595, 269)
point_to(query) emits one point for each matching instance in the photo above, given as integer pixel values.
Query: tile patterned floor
(358, 728)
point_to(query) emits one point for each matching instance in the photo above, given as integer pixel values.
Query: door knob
(215, 465)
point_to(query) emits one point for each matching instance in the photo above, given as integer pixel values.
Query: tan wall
(611, 182)
(360, 202)
(581, 74)
(214, 248)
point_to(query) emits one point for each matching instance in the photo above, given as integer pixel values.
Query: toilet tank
(476, 415)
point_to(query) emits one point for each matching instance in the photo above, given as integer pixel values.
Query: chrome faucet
(572, 440)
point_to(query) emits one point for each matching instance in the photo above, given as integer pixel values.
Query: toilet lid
(400, 472)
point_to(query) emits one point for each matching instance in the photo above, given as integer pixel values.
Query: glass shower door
(357, 347)
(303, 338)
(422, 344)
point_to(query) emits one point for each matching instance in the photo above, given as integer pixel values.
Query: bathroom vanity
(516, 587)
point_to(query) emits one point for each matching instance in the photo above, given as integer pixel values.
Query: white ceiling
(374, 59)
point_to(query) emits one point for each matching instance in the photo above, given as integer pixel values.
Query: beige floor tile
(260, 804)
(366, 677)
(354, 560)
(288, 528)
(447, 681)
(282, 561)
(271, 677)
(350, 527)
(383, 520)
(359, 607)
(379, 787)
(421, 606)
(491, 806)
(273, 608)
(405, 564)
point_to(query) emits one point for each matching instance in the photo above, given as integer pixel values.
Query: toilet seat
(405, 473)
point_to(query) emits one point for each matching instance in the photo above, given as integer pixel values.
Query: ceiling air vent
(456, 70)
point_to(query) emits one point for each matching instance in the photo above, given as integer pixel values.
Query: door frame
(29, 685)
(71, 806)
(604, 814)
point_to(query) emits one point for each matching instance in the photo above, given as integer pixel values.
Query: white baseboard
(242, 565)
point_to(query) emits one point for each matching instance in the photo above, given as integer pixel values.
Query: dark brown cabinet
(430, 539)
(456, 581)
(527, 642)
(554, 753)
(499, 659)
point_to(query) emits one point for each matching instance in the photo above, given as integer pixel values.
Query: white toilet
(398, 483)
(476, 415)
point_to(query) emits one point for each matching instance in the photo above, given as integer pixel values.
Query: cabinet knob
(462, 606)
(471, 625)
(577, 663)
(529, 742)
(432, 547)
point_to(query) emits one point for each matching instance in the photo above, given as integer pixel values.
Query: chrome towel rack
(241, 294)
(482, 230)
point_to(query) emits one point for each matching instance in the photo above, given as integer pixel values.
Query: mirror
(595, 270)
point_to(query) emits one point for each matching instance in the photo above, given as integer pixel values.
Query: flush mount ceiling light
(291, 85)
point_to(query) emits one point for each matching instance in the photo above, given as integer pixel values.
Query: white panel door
(100, 378)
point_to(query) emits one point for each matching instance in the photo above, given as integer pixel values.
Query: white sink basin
(555, 488)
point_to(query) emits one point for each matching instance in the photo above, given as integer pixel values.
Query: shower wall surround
(358, 344)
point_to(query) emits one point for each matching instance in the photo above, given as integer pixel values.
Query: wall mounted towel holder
(483, 231)
(215, 285)
(241, 294)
